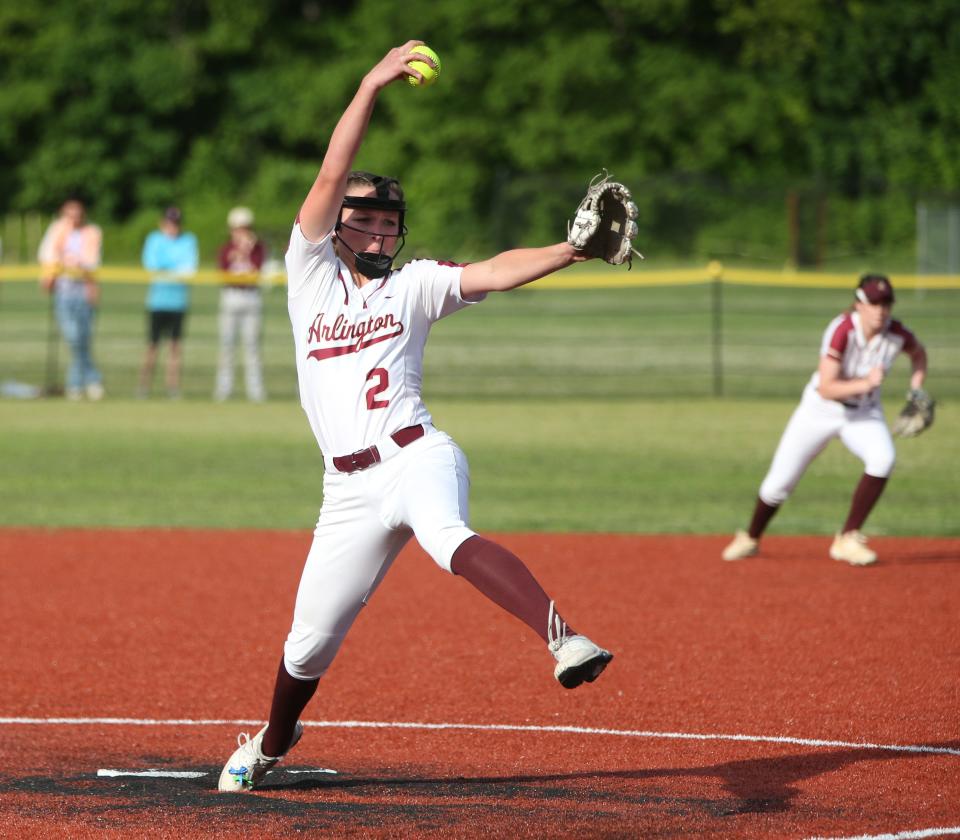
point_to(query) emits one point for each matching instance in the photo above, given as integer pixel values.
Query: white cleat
(742, 545)
(578, 659)
(851, 548)
(248, 765)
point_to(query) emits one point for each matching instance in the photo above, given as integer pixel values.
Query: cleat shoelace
(556, 630)
(242, 775)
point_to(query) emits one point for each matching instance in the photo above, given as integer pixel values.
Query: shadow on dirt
(758, 785)
(751, 786)
(920, 557)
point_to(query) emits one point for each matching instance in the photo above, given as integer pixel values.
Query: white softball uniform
(359, 355)
(857, 421)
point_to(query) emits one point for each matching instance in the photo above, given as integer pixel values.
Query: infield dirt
(714, 662)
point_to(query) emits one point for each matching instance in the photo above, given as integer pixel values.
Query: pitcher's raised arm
(319, 211)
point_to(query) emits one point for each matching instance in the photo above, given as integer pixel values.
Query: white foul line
(903, 835)
(487, 727)
(153, 774)
(189, 774)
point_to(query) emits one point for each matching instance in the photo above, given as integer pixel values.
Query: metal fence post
(715, 273)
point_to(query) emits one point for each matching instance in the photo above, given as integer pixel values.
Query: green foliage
(213, 102)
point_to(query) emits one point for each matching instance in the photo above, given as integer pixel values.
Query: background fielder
(842, 399)
(360, 330)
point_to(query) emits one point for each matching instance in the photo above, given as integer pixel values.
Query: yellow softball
(428, 71)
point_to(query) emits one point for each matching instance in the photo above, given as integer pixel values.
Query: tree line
(712, 110)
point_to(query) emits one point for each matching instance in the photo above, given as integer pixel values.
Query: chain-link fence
(706, 338)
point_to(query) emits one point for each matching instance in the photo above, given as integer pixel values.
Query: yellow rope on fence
(134, 274)
(613, 278)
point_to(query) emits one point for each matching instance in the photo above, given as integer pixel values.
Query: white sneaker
(95, 391)
(851, 547)
(578, 659)
(248, 765)
(74, 394)
(742, 545)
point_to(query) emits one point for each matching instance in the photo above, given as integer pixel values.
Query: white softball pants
(241, 315)
(365, 520)
(814, 423)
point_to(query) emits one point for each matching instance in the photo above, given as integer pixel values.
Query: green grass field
(683, 466)
(579, 410)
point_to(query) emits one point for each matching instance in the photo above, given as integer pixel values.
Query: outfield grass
(580, 410)
(625, 465)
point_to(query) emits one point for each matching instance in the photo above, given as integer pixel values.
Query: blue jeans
(75, 317)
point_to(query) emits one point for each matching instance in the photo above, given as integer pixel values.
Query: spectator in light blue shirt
(172, 257)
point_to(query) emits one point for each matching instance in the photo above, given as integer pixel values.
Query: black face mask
(373, 264)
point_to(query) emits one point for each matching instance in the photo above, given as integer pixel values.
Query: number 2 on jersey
(383, 381)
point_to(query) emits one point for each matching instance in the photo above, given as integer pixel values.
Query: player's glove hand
(604, 225)
(916, 416)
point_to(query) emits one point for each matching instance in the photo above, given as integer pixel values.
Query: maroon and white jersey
(844, 341)
(360, 351)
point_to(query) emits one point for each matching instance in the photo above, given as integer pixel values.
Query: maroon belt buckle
(359, 460)
(364, 458)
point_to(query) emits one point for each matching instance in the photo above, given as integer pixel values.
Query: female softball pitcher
(842, 400)
(359, 329)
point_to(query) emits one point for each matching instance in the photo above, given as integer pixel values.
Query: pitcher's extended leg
(504, 579)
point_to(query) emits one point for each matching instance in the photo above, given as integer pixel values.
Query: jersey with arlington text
(844, 341)
(360, 352)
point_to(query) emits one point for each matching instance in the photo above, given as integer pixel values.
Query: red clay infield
(726, 677)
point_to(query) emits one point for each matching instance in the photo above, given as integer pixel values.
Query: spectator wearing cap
(172, 256)
(241, 306)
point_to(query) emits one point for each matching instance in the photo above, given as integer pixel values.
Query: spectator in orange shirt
(69, 255)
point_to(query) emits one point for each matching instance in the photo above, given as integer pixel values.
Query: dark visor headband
(373, 203)
(382, 200)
